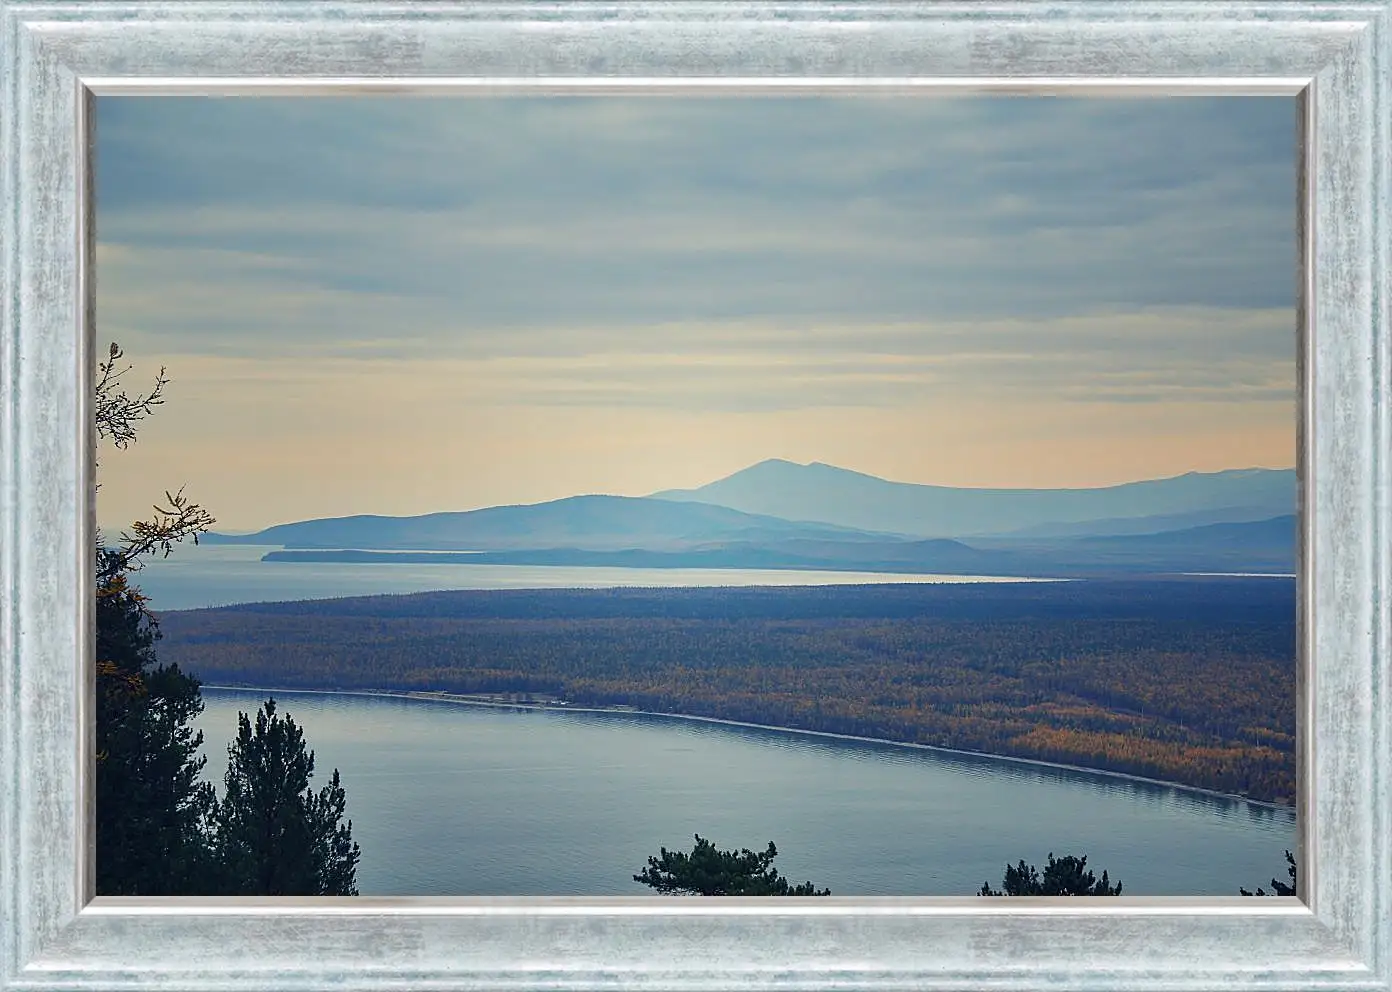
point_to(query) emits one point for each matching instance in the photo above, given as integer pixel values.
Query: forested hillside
(1190, 681)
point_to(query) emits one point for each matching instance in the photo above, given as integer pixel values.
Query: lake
(450, 799)
(220, 575)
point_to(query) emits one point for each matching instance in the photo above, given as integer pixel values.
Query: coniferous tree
(153, 811)
(160, 829)
(1067, 876)
(338, 852)
(1278, 888)
(275, 835)
(707, 871)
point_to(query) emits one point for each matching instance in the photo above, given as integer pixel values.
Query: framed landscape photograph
(477, 474)
(595, 474)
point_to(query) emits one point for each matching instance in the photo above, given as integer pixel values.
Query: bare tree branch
(118, 415)
(118, 412)
(177, 519)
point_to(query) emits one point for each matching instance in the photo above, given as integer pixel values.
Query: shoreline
(467, 700)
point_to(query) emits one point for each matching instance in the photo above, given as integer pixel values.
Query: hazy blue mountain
(1257, 545)
(1119, 526)
(1254, 546)
(1142, 526)
(852, 499)
(579, 522)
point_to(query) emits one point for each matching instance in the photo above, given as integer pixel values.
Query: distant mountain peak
(588, 521)
(825, 493)
(785, 466)
(840, 470)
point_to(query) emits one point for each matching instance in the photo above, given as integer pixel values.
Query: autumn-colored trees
(1190, 682)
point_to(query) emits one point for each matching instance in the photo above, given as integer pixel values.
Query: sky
(405, 304)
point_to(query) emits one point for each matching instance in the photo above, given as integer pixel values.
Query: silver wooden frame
(1333, 57)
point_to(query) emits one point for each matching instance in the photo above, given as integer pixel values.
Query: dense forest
(1190, 680)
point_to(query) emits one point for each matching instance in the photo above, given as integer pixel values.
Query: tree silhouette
(707, 871)
(1067, 876)
(1278, 888)
(117, 416)
(275, 836)
(160, 829)
(153, 811)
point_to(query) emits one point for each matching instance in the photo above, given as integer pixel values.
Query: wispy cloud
(519, 210)
(761, 260)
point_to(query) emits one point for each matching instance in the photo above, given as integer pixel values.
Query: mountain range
(853, 499)
(585, 523)
(778, 514)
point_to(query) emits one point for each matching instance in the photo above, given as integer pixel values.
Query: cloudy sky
(401, 305)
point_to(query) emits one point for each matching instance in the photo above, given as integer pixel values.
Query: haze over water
(221, 575)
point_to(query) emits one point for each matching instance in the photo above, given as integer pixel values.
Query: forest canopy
(1188, 681)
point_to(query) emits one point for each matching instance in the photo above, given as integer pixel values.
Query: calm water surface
(449, 799)
(219, 575)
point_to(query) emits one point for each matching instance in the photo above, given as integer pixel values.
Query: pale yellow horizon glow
(410, 306)
(261, 442)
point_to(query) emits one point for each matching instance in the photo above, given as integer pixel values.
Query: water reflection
(1133, 789)
(449, 799)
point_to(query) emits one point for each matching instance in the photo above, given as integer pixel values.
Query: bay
(450, 799)
(197, 576)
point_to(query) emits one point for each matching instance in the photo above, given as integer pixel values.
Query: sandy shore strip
(482, 700)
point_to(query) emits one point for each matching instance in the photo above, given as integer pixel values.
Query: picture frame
(1333, 59)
